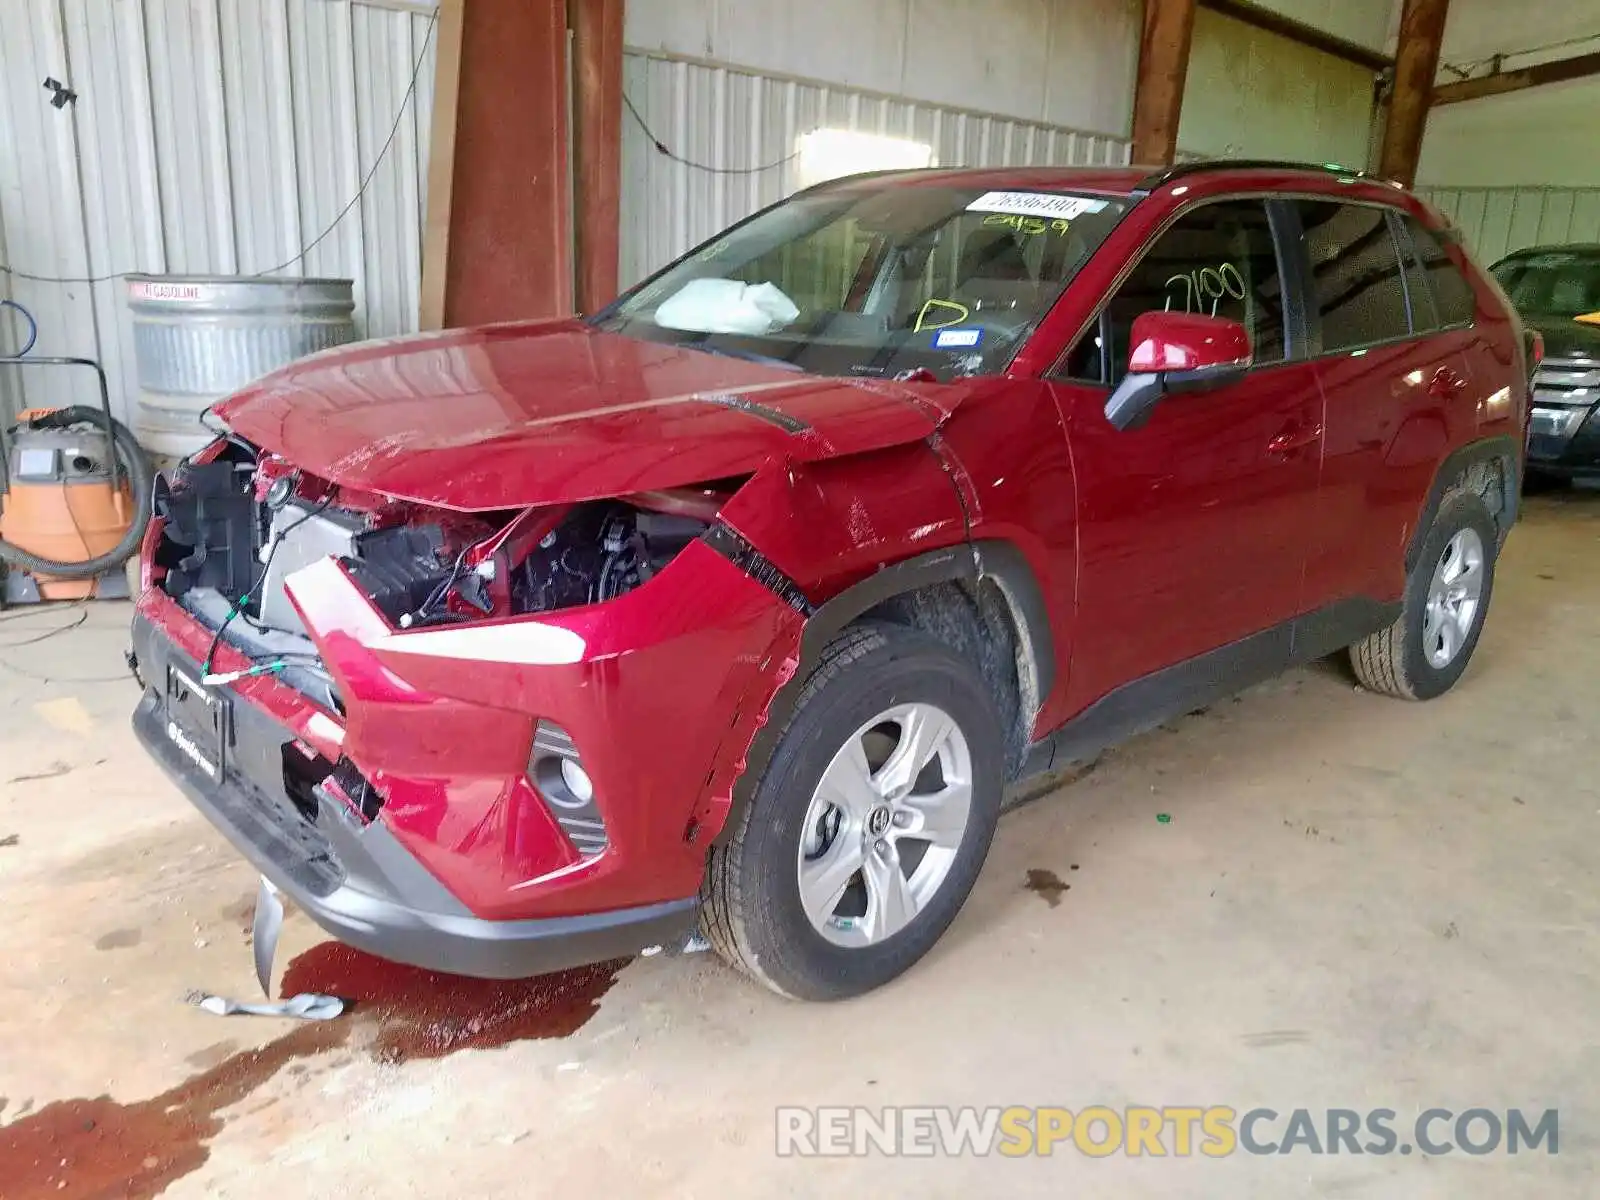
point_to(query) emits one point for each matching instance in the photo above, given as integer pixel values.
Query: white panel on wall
(1544, 135)
(1364, 22)
(1496, 221)
(1256, 94)
(1479, 28)
(735, 119)
(844, 41)
(208, 136)
(1063, 62)
(1066, 63)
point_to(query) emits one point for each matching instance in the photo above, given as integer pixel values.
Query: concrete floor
(1356, 903)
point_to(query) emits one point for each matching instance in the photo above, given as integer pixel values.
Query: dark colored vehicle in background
(1552, 286)
(740, 604)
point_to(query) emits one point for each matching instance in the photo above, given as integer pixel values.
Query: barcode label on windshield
(1036, 204)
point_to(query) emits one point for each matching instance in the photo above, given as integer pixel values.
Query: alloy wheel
(1454, 598)
(884, 824)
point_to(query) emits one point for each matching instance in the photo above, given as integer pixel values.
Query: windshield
(876, 281)
(1560, 283)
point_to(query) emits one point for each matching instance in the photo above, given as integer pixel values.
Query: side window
(1217, 259)
(1451, 291)
(1356, 279)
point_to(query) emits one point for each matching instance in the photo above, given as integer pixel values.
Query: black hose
(33, 326)
(141, 481)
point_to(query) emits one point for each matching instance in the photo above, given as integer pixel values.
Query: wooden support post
(1416, 62)
(498, 237)
(1163, 68)
(596, 147)
(441, 162)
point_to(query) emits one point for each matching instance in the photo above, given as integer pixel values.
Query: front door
(1193, 529)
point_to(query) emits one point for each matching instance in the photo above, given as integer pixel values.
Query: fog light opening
(558, 775)
(577, 780)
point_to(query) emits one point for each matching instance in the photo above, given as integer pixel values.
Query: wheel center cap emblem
(878, 821)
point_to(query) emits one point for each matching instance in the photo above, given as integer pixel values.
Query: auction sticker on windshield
(1036, 204)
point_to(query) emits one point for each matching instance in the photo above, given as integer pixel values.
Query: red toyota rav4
(742, 602)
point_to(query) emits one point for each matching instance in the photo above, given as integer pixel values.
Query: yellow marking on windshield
(1027, 225)
(961, 310)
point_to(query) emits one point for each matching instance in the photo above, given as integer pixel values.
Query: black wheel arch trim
(969, 563)
(1503, 447)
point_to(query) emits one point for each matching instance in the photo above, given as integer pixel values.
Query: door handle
(1446, 384)
(1293, 439)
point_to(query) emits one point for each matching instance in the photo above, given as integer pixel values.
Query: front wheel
(870, 824)
(1447, 595)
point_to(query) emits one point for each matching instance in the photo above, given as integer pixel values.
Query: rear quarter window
(1452, 294)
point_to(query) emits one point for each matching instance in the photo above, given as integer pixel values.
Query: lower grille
(557, 774)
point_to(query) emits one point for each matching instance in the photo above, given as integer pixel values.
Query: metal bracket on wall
(60, 94)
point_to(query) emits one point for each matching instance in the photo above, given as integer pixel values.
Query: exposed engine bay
(236, 527)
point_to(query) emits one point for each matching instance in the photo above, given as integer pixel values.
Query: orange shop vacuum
(75, 493)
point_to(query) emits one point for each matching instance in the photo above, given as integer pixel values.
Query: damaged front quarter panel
(828, 529)
(829, 524)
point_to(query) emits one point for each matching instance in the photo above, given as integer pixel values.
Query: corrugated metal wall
(208, 137)
(1496, 221)
(723, 117)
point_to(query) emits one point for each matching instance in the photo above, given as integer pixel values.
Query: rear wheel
(869, 826)
(1447, 596)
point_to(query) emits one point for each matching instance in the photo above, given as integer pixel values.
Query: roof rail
(1161, 178)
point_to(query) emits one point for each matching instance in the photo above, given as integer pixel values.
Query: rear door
(1495, 400)
(1193, 529)
(1395, 379)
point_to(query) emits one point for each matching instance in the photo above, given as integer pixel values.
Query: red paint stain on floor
(100, 1149)
(426, 1014)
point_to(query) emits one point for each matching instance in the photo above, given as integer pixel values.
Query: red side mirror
(1176, 352)
(1171, 341)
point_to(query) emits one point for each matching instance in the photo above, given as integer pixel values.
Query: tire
(1403, 660)
(754, 913)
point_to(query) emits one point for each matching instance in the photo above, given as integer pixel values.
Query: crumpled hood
(532, 413)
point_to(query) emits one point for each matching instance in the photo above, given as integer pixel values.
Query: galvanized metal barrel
(199, 338)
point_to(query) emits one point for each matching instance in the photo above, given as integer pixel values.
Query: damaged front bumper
(357, 881)
(459, 863)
